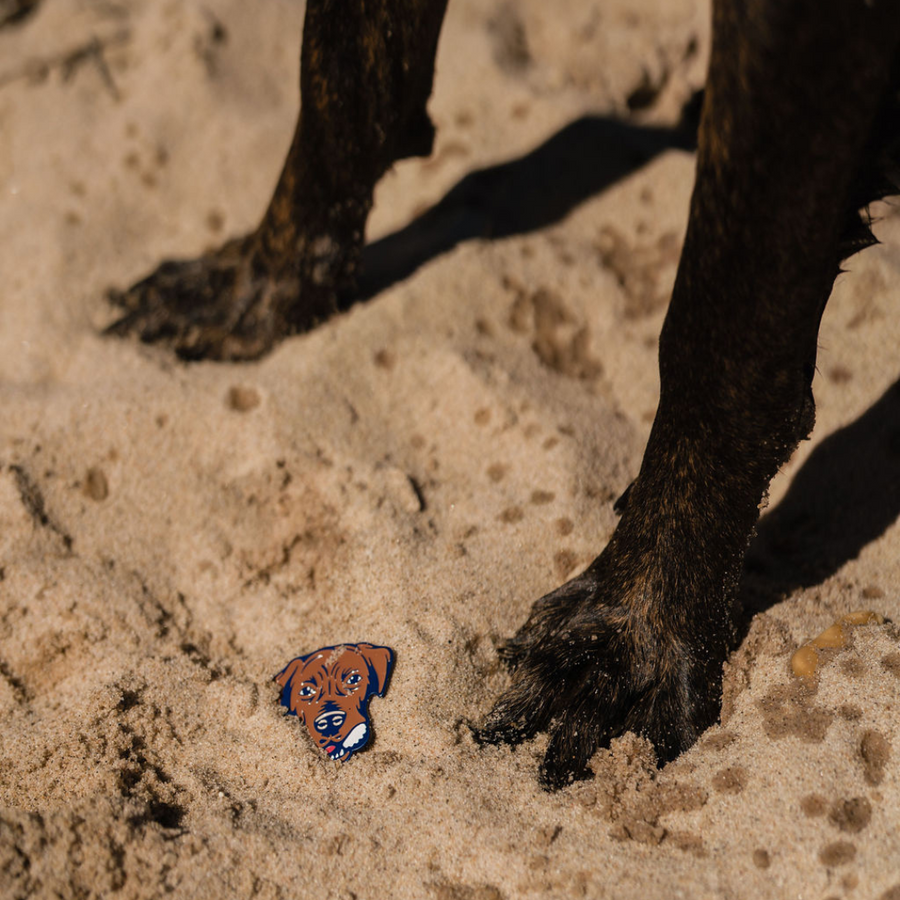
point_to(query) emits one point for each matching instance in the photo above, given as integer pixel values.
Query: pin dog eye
(355, 678)
(307, 691)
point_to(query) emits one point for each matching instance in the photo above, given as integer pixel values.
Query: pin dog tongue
(330, 748)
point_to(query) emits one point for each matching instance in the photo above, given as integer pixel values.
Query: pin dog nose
(329, 723)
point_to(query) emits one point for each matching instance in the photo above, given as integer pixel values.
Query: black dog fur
(797, 133)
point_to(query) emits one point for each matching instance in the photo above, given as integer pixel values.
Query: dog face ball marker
(329, 691)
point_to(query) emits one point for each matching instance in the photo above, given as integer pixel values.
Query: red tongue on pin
(330, 748)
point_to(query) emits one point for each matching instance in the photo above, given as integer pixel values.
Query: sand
(414, 473)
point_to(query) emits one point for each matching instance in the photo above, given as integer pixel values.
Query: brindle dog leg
(366, 73)
(637, 642)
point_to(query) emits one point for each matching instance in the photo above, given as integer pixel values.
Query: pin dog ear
(283, 678)
(381, 661)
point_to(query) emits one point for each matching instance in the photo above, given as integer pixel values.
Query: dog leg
(366, 75)
(637, 641)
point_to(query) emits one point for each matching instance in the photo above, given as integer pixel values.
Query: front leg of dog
(635, 643)
(366, 72)
(785, 156)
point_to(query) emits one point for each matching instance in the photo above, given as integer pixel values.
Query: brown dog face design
(329, 692)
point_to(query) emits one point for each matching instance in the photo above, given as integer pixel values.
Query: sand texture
(414, 473)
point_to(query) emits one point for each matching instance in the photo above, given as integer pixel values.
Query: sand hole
(731, 780)
(95, 484)
(853, 667)
(719, 741)
(891, 663)
(242, 399)
(839, 853)
(563, 562)
(788, 711)
(875, 751)
(497, 471)
(687, 843)
(813, 805)
(385, 359)
(851, 815)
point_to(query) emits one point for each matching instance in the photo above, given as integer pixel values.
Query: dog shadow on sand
(584, 158)
(846, 495)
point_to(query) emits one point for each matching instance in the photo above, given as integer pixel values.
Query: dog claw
(498, 732)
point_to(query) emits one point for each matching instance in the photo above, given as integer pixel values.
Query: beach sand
(414, 473)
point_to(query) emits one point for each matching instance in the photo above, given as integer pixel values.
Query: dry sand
(414, 473)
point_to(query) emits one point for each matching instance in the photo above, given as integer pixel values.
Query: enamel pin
(329, 691)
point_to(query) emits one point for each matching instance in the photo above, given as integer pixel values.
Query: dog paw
(595, 660)
(224, 305)
(213, 307)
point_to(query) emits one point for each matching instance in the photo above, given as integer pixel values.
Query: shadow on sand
(845, 496)
(848, 492)
(526, 194)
